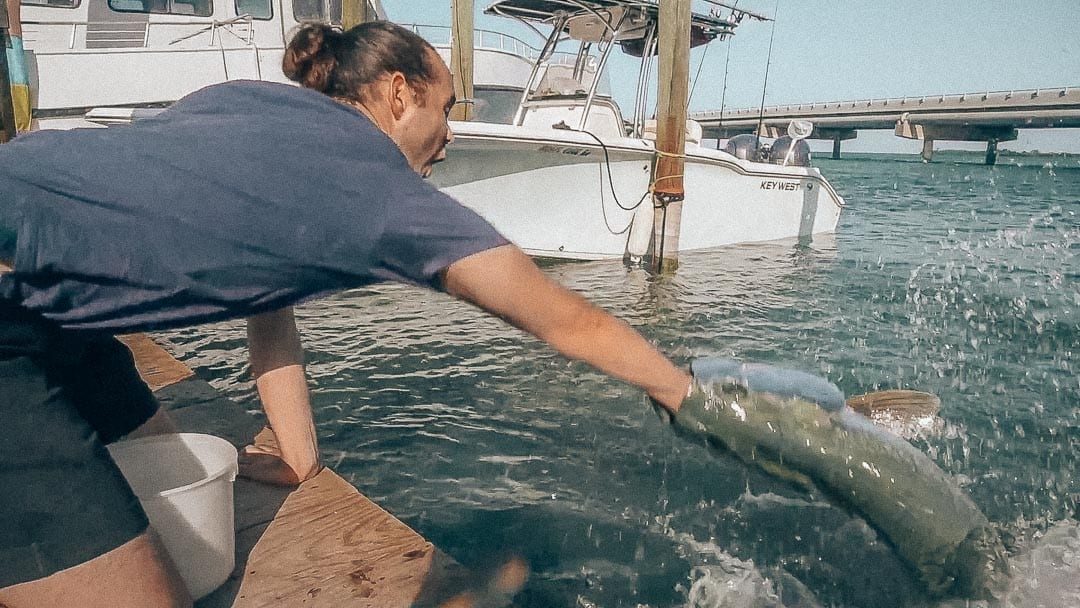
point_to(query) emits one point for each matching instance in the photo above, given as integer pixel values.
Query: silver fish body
(796, 426)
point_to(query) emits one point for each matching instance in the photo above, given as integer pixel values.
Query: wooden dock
(323, 543)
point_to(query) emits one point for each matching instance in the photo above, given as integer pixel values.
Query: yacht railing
(136, 34)
(439, 35)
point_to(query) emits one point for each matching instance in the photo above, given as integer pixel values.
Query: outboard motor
(786, 151)
(743, 146)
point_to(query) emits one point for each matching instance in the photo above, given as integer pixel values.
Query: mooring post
(353, 13)
(461, 58)
(7, 109)
(673, 72)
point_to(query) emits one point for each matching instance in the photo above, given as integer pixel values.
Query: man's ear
(401, 95)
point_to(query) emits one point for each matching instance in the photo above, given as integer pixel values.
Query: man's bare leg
(136, 574)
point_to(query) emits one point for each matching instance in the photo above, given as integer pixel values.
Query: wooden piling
(7, 109)
(673, 72)
(353, 13)
(461, 58)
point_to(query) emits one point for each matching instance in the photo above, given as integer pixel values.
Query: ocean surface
(949, 277)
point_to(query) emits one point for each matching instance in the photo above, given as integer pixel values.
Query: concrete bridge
(991, 117)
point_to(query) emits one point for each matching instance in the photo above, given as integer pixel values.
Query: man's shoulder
(244, 93)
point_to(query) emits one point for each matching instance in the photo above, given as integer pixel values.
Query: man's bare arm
(277, 362)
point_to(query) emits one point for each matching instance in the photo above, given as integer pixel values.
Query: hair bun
(310, 58)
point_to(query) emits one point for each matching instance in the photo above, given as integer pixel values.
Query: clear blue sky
(826, 50)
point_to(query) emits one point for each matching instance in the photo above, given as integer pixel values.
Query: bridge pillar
(836, 135)
(927, 149)
(991, 152)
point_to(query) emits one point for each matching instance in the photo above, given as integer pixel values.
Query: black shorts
(63, 396)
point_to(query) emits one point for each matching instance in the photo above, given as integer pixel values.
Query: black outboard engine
(783, 153)
(743, 146)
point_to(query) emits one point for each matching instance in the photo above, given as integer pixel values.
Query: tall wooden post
(461, 57)
(7, 110)
(353, 13)
(673, 71)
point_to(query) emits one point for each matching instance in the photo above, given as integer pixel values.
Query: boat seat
(693, 131)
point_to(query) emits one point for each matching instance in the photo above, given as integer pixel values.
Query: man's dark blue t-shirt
(241, 198)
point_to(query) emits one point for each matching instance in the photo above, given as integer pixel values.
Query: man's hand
(261, 461)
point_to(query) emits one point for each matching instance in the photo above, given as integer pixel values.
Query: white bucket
(185, 484)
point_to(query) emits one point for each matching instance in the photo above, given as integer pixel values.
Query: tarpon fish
(796, 425)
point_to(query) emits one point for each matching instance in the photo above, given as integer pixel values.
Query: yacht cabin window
(257, 9)
(52, 3)
(199, 8)
(322, 11)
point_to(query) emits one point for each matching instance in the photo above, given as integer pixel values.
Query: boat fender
(641, 232)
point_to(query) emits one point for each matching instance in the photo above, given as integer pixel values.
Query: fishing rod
(765, 85)
(723, 90)
(697, 75)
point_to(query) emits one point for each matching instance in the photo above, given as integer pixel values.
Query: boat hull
(567, 194)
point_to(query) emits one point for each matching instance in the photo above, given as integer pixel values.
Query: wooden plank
(157, 367)
(353, 554)
(322, 543)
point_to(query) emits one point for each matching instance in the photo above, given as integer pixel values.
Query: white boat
(569, 176)
(93, 63)
(97, 62)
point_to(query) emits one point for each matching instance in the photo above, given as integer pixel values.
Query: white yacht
(94, 62)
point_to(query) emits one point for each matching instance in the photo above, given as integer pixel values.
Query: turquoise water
(949, 277)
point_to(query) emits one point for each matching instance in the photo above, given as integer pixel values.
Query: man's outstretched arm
(506, 282)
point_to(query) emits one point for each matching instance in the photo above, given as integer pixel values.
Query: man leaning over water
(240, 200)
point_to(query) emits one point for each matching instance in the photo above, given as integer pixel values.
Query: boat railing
(439, 35)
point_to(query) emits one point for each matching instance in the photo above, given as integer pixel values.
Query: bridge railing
(1014, 98)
